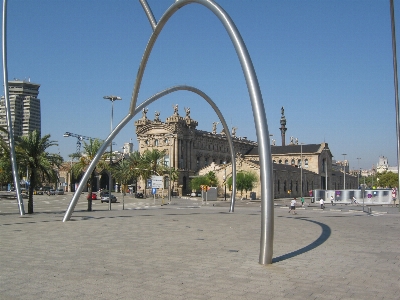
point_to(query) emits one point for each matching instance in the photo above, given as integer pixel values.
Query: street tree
(198, 181)
(84, 160)
(32, 154)
(210, 179)
(245, 181)
(152, 163)
(388, 180)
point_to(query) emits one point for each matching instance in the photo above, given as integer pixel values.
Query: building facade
(195, 152)
(24, 107)
(187, 149)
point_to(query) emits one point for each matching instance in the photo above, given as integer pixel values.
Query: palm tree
(84, 160)
(31, 152)
(152, 162)
(5, 162)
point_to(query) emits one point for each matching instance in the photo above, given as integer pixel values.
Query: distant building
(24, 107)
(383, 166)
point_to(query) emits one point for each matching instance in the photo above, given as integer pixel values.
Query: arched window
(292, 162)
(280, 161)
(274, 161)
(286, 162)
(306, 163)
(156, 143)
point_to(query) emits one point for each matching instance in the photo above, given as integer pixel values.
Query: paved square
(188, 251)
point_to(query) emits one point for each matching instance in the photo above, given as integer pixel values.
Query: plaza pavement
(186, 250)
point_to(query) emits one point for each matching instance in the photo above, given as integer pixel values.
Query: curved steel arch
(267, 204)
(8, 113)
(122, 124)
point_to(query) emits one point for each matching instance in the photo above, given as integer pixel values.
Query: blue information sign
(153, 191)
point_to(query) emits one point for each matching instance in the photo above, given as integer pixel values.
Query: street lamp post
(112, 99)
(358, 175)
(169, 136)
(301, 170)
(344, 171)
(225, 181)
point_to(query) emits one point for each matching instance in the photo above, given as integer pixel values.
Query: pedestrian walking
(302, 201)
(354, 200)
(332, 201)
(321, 203)
(293, 206)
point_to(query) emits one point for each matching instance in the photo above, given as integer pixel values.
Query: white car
(105, 198)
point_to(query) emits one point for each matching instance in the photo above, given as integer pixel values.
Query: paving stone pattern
(191, 251)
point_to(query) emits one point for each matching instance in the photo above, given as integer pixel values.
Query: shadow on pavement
(326, 232)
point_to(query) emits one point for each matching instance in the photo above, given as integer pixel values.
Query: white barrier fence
(379, 196)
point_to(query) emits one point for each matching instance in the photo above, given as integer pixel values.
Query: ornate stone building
(187, 148)
(195, 152)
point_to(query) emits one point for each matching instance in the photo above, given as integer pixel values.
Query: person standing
(332, 201)
(293, 206)
(302, 201)
(321, 202)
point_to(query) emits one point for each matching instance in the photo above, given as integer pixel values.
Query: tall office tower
(24, 107)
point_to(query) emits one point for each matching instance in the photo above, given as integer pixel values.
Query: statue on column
(214, 127)
(144, 112)
(187, 110)
(234, 131)
(176, 110)
(157, 116)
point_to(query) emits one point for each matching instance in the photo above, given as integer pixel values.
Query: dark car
(94, 196)
(106, 198)
(139, 195)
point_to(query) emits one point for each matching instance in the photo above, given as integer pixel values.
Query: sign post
(156, 183)
(363, 186)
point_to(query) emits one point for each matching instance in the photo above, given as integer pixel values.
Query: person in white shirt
(293, 206)
(321, 202)
(332, 201)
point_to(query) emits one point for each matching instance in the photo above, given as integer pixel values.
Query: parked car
(38, 192)
(52, 192)
(139, 195)
(106, 198)
(94, 196)
(60, 192)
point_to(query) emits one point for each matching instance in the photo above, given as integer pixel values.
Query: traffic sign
(157, 182)
(153, 191)
(149, 183)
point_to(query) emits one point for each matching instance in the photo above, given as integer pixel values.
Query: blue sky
(329, 63)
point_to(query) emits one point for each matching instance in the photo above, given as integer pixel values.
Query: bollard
(369, 209)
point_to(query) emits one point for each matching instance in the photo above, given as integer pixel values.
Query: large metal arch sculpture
(129, 117)
(267, 205)
(8, 113)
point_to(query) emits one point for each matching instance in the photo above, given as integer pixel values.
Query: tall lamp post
(344, 171)
(301, 170)
(358, 175)
(112, 99)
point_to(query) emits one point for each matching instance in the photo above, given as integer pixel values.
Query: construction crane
(79, 138)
